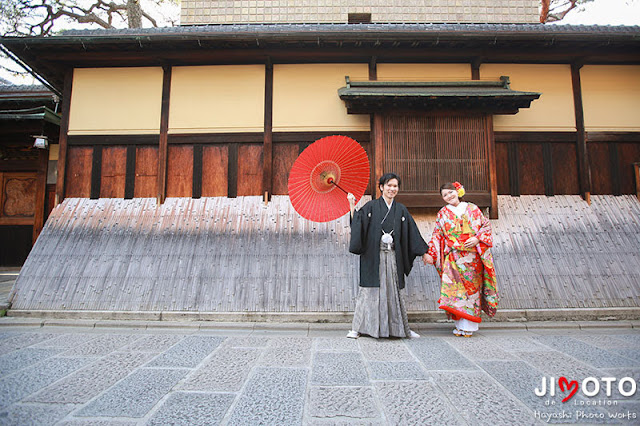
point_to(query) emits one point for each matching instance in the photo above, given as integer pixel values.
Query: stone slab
(95, 422)
(34, 414)
(385, 350)
(341, 344)
(19, 385)
(342, 403)
(135, 395)
(23, 358)
(478, 347)
(22, 340)
(188, 353)
(154, 343)
(225, 371)
(102, 345)
(393, 370)
(485, 402)
(586, 353)
(192, 409)
(271, 396)
(522, 380)
(67, 340)
(247, 342)
(339, 369)
(558, 364)
(415, 403)
(88, 382)
(436, 354)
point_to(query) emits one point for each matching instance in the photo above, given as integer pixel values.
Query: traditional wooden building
(27, 114)
(223, 105)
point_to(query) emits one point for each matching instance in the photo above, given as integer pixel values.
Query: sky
(606, 12)
(598, 12)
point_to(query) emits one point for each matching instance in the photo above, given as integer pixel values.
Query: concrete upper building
(196, 12)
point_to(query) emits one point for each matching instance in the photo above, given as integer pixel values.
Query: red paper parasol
(324, 173)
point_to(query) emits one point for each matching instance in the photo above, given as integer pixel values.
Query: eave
(359, 43)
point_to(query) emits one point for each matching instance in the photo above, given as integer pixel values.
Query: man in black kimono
(387, 239)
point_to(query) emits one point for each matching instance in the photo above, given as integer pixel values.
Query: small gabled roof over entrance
(494, 97)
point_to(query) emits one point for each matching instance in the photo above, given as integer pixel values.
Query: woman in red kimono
(460, 251)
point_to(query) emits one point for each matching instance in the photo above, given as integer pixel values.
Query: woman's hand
(471, 242)
(352, 199)
(352, 202)
(427, 259)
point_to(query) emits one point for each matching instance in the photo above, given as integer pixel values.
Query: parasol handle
(331, 181)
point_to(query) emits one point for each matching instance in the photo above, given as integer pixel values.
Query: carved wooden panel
(18, 195)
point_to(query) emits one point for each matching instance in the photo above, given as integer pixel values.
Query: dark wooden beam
(79, 140)
(19, 166)
(232, 171)
(130, 173)
(41, 189)
(161, 188)
(96, 172)
(513, 154)
(373, 76)
(378, 154)
(196, 187)
(584, 173)
(297, 137)
(493, 168)
(475, 68)
(536, 137)
(547, 166)
(614, 137)
(267, 147)
(215, 138)
(62, 139)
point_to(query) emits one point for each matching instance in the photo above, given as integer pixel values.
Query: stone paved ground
(126, 373)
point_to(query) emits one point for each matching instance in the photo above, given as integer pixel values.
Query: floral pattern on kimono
(468, 277)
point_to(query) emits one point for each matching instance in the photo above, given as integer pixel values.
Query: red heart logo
(570, 385)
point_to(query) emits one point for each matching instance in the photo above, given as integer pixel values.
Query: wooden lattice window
(428, 150)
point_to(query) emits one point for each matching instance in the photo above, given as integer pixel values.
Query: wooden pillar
(378, 149)
(584, 172)
(62, 139)
(267, 147)
(373, 171)
(41, 189)
(475, 69)
(513, 155)
(163, 147)
(636, 170)
(130, 173)
(493, 175)
(547, 166)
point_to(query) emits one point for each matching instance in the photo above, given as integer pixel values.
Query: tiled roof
(298, 29)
